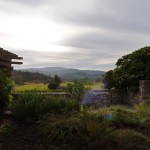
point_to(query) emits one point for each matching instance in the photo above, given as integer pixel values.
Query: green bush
(32, 104)
(53, 85)
(5, 90)
(94, 130)
(124, 118)
(77, 89)
(145, 123)
(60, 129)
(119, 116)
(130, 140)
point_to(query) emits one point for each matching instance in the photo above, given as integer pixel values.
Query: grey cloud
(99, 41)
(28, 2)
(75, 59)
(125, 24)
(124, 15)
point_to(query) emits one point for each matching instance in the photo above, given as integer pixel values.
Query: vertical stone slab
(144, 89)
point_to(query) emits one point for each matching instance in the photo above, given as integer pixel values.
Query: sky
(82, 34)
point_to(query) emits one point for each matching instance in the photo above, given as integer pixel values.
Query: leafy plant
(125, 118)
(130, 140)
(145, 123)
(58, 128)
(5, 90)
(118, 116)
(32, 104)
(77, 89)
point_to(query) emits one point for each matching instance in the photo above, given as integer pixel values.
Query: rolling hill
(66, 73)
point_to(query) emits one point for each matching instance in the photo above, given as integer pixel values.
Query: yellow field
(97, 86)
(44, 87)
(31, 86)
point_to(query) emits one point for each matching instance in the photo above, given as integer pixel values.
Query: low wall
(144, 89)
(100, 98)
(62, 94)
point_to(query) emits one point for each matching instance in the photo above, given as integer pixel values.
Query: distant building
(6, 60)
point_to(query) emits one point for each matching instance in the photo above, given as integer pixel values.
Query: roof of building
(6, 58)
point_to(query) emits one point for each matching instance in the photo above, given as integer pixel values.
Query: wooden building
(6, 60)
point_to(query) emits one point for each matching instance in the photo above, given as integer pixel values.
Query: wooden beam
(19, 63)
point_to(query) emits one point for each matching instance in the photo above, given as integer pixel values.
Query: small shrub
(145, 123)
(77, 89)
(125, 118)
(130, 140)
(53, 85)
(96, 130)
(60, 129)
(119, 116)
(6, 129)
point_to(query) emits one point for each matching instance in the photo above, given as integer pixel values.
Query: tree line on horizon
(21, 77)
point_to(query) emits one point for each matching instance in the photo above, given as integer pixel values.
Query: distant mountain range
(67, 73)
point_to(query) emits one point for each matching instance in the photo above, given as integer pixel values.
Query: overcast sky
(84, 34)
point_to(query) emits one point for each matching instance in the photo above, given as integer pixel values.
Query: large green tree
(130, 69)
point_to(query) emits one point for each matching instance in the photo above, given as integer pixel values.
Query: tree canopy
(130, 69)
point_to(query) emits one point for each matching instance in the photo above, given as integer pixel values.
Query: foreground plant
(31, 105)
(5, 90)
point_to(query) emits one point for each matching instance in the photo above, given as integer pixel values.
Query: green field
(31, 86)
(44, 87)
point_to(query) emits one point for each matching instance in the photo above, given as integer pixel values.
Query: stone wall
(102, 98)
(144, 89)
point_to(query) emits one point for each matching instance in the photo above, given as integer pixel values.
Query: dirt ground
(15, 135)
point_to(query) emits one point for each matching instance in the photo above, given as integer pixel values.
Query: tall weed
(32, 104)
(143, 107)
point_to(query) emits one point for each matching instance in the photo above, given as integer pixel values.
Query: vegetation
(32, 104)
(110, 128)
(5, 88)
(60, 124)
(57, 123)
(77, 89)
(20, 77)
(54, 83)
(44, 74)
(130, 69)
(31, 86)
(143, 107)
